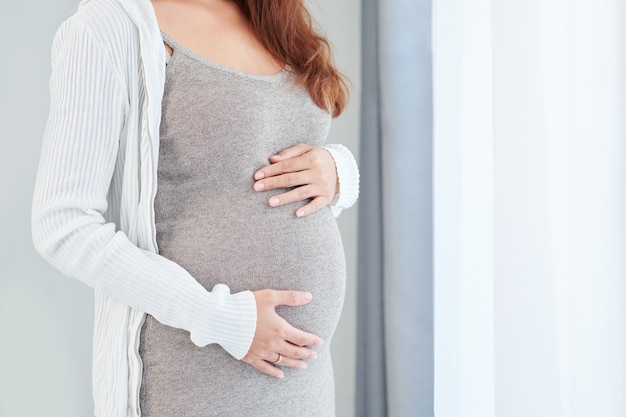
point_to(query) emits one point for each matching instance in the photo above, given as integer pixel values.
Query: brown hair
(285, 28)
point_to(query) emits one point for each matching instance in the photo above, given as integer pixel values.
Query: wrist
(231, 322)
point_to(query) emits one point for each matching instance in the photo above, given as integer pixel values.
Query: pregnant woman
(183, 175)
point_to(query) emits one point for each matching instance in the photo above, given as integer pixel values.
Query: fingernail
(307, 296)
(281, 376)
(259, 186)
(299, 213)
(259, 175)
(314, 355)
(274, 201)
(302, 365)
(275, 156)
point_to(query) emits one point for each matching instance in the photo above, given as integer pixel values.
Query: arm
(327, 175)
(78, 157)
(86, 121)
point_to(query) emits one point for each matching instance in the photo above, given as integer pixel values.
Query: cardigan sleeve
(78, 157)
(347, 175)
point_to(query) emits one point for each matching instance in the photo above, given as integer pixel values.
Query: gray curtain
(395, 276)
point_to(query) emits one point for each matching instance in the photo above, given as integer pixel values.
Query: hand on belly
(311, 169)
(276, 341)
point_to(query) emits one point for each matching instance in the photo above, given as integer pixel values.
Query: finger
(297, 195)
(290, 350)
(292, 152)
(286, 180)
(279, 358)
(291, 298)
(292, 363)
(315, 204)
(301, 338)
(291, 196)
(268, 369)
(291, 165)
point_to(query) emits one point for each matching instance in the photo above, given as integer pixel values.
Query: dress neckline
(178, 48)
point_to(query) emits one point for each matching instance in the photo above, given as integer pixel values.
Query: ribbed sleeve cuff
(227, 319)
(348, 176)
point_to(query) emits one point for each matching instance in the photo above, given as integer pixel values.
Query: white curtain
(530, 208)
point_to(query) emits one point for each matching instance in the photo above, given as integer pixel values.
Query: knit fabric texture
(218, 127)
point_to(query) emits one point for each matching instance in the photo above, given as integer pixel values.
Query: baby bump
(249, 246)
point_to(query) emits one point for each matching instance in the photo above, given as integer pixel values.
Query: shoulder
(106, 20)
(104, 23)
(103, 27)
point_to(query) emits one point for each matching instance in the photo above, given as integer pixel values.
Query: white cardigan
(93, 206)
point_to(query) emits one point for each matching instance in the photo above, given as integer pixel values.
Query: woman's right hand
(274, 336)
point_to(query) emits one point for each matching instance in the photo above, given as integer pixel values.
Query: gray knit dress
(218, 127)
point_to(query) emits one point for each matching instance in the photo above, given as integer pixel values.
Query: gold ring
(277, 361)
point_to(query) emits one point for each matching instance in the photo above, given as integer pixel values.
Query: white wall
(45, 318)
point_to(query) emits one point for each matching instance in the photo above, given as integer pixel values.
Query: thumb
(289, 153)
(292, 298)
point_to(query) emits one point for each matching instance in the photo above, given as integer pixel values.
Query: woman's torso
(219, 126)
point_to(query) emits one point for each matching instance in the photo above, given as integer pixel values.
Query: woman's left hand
(311, 169)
